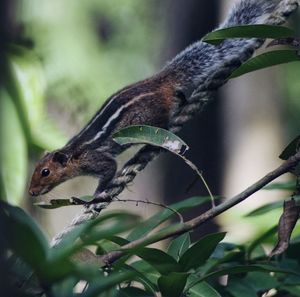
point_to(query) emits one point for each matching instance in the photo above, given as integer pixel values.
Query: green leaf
(179, 245)
(172, 285)
(13, 152)
(202, 289)
(265, 60)
(261, 281)
(291, 149)
(240, 287)
(293, 290)
(65, 288)
(27, 85)
(261, 239)
(265, 209)
(151, 135)
(23, 236)
(244, 269)
(147, 270)
(248, 31)
(143, 277)
(289, 186)
(161, 261)
(102, 285)
(197, 255)
(162, 216)
(105, 226)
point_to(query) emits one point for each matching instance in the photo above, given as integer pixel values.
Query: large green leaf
(28, 85)
(172, 285)
(261, 281)
(161, 261)
(179, 245)
(162, 216)
(148, 270)
(240, 287)
(202, 289)
(143, 277)
(13, 152)
(196, 255)
(265, 60)
(151, 135)
(248, 31)
(102, 285)
(23, 236)
(105, 226)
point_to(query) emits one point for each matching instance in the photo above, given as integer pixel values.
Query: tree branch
(168, 232)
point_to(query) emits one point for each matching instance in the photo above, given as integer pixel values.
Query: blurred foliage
(90, 49)
(184, 268)
(24, 123)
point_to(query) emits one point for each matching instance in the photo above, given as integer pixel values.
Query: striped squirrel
(152, 101)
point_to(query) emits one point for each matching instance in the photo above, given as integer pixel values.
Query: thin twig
(285, 167)
(153, 203)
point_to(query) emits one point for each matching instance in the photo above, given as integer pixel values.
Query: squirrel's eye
(45, 172)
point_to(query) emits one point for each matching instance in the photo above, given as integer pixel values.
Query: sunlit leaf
(265, 60)
(28, 86)
(13, 152)
(248, 31)
(151, 135)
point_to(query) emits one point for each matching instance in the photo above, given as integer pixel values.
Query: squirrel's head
(50, 171)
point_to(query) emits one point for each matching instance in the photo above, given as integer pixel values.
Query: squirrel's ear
(60, 158)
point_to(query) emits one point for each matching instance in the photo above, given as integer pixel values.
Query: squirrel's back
(151, 101)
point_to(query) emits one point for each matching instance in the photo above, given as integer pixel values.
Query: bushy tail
(198, 64)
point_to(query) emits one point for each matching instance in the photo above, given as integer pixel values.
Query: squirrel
(152, 101)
